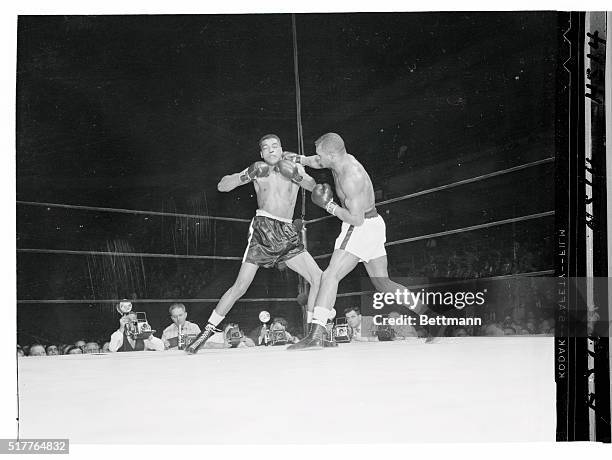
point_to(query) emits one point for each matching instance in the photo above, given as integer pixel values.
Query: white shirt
(189, 329)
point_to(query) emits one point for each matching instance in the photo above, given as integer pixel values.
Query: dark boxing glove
(323, 196)
(257, 169)
(289, 170)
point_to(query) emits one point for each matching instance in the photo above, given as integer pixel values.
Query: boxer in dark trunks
(273, 239)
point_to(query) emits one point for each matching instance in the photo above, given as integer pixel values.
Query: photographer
(122, 341)
(353, 318)
(189, 330)
(230, 337)
(277, 333)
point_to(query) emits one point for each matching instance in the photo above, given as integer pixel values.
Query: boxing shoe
(314, 340)
(201, 339)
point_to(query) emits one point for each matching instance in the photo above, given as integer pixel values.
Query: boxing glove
(289, 170)
(323, 196)
(257, 169)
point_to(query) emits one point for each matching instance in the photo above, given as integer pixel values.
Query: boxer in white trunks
(363, 234)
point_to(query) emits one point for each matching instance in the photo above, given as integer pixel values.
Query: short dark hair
(269, 136)
(176, 305)
(331, 143)
(350, 309)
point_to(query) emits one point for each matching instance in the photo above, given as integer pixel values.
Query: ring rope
(450, 283)
(129, 211)
(321, 256)
(125, 254)
(273, 299)
(451, 185)
(461, 230)
(97, 301)
(235, 219)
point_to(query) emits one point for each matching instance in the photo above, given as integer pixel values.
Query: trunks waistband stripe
(262, 213)
(371, 213)
(347, 237)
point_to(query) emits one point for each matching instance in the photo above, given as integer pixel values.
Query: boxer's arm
(230, 182)
(250, 174)
(353, 212)
(310, 161)
(307, 182)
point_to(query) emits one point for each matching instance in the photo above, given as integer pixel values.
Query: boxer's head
(330, 147)
(270, 149)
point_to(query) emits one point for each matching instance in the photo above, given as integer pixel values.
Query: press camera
(137, 327)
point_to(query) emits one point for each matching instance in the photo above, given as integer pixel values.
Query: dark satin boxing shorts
(272, 242)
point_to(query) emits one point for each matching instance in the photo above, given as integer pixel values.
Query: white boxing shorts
(366, 241)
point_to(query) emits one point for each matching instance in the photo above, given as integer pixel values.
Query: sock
(320, 316)
(215, 318)
(309, 317)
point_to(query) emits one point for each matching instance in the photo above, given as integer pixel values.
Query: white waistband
(261, 212)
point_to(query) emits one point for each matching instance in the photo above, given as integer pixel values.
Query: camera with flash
(341, 331)
(278, 336)
(138, 328)
(233, 335)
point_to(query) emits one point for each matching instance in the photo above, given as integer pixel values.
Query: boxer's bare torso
(353, 184)
(276, 194)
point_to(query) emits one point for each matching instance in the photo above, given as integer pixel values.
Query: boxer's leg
(307, 267)
(340, 265)
(377, 270)
(237, 290)
(304, 265)
(379, 275)
(227, 301)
